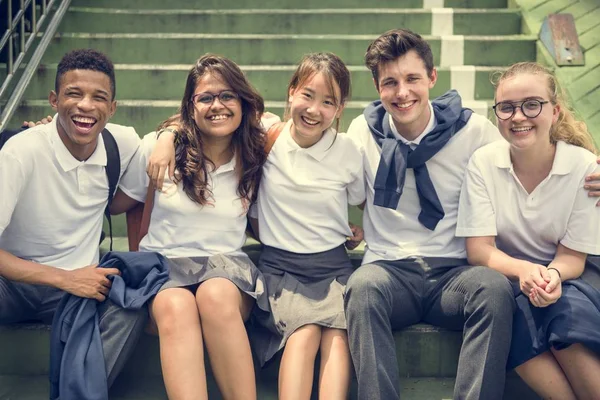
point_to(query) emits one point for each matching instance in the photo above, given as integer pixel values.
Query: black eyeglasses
(206, 98)
(530, 108)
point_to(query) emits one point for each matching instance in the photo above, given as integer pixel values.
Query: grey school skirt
(239, 269)
(303, 289)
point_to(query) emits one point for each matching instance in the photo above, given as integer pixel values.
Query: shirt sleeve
(489, 133)
(356, 189)
(12, 180)
(134, 182)
(476, 216)
(583, 228)
(128, 142)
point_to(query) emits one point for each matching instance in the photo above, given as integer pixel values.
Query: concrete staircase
(153, 43)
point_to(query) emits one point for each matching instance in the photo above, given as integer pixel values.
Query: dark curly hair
(248, 140)
(87, 59)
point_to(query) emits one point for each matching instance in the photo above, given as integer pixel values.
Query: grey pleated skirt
(303, 289)
(238, 268)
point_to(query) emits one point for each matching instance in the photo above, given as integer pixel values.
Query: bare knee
(174, 309)
(307, 336)
(219, 301)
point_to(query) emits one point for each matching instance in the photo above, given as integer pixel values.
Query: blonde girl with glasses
(198, 222)
(525, 213)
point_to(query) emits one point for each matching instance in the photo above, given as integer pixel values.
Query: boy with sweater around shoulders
(53, 193)
(415, 269)
(415, 152)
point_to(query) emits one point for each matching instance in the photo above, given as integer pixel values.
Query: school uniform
(51, 212)
(200, 242)
(302, 211)
(530, 226)
(414, 268)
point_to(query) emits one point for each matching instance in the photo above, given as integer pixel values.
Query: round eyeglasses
(530, 108)
(206, 98)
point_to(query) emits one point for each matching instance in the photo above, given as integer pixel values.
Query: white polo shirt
(180, 227)
(398, 234)
(529, 226)
(304, 194)
(51, 204)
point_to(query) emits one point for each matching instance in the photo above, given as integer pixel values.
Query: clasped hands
(541, 285)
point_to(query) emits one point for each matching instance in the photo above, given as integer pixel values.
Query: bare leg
(335, 365)
(545, 376)
(298, 363)
(223, 309)
(582, 367)
(181, 351)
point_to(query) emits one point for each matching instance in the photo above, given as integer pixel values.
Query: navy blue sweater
(75, 343)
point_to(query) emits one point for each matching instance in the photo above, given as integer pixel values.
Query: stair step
(145, 116)
(256, 49)
(424, 351)
(293, 4)
(168, 81)
(297, 21)
(427, 359)
(37, 387)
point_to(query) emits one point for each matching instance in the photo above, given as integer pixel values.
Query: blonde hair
(567, 128)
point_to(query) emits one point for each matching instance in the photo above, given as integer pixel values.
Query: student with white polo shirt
(311, 175)
(526, 214)
(53, 193)
(198, 222)
(415, 269)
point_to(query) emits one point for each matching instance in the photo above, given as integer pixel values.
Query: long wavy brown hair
(248, 140)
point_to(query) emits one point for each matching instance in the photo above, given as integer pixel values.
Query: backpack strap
(272, 135)
(113, 171)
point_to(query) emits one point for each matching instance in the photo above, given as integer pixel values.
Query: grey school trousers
(389, 295)
(120, 329)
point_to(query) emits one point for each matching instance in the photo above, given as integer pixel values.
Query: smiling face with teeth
(84, 104)
(313, 109)
(403, 86)
(217, 120)
(520, 131)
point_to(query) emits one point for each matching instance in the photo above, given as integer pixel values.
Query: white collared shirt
(51, 204)
(398, 234)
(416, 141)
(530, 225)
(303, 198)
(180, 227)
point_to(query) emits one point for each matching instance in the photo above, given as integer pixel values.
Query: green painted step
(294, 4)
(423, 351)
(427, 358)
(167, 82)
(255, 49)
(36, 387)
(277, 21)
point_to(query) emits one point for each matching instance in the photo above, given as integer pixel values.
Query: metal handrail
(18, 20)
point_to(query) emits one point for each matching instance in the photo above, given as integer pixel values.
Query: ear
(53, 100)
(340, 110)
(433, 78)
(113, 108)
(291, 94)
(376, 85)
(555, 113)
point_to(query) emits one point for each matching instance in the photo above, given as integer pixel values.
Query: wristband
(557, 271)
